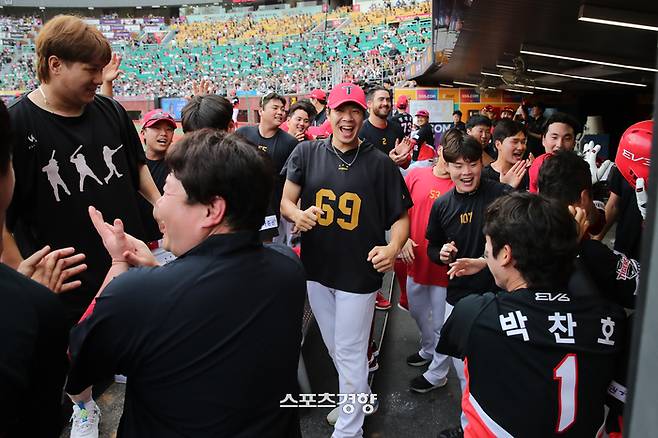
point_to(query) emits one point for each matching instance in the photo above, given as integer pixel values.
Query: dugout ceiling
(493, 33)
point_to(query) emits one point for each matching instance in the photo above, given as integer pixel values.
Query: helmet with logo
(634, 153)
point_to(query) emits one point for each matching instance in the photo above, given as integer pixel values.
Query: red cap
(403, 102)
(318, 94)
(154, 116)
(508, 109)
(422, 113)
(346, 92)
(488, 108)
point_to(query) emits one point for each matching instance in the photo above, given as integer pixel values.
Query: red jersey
(533, 172)
(425, 188)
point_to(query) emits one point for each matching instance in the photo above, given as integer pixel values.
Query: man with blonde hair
(64, 117)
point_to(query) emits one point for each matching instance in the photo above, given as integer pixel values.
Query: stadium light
(519, 91)
(617, 17)
(586, 78)
(559, 54)
(91, 8)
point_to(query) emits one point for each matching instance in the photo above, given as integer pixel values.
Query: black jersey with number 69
(538, 363)
(361, 196)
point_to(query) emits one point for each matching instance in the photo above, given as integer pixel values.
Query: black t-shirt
(65, 164)
(536, 126)
(320, 117)
(278, 147)
(382, 139)
(492, 174)
(538, 362)
(159, 171)
(405, 121)
(359, 202)
(33, 360)
(615, 275)
(198, 339)
(628, 237)
(460, 217)
(424, 135)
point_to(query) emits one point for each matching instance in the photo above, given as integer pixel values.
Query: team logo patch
(627, 269)
(548, 296)
(344, 167)
(262, 148)
(348, 89)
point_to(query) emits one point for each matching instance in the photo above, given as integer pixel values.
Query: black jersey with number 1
(361, 196)
(537, 363)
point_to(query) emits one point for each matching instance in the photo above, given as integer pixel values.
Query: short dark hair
(303, 105)
(462, 146)
(272, 96)
(561, 118)
(6, 142)
(211, 163)
(207, 111)
(476, 120)
(507, 128)
(539, 105)
(542, 234)
(563, 176)
(459, 113)
(372, 90)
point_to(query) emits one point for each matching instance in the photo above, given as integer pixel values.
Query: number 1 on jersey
(566, 373)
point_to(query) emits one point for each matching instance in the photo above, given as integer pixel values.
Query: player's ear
(216, 212)
(505, 255)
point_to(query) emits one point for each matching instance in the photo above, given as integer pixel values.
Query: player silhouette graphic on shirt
(82, 168)
(52, 172)
(107, 156)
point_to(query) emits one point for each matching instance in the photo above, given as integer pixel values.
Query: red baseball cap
(488, 108)
(318, 94)
(154, 116)
(346, 92)
(508, 109)
(403, 102)
(422, 113)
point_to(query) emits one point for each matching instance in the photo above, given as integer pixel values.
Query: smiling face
(157, 137)
(273, 113)
(346, 121)
(77, 82)
(512, 149)
(180, 222)
(299, 121)
(559, 136)
(380, 104)
(481, 133)
(465, 174)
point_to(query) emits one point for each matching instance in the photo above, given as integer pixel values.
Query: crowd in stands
(270, 54)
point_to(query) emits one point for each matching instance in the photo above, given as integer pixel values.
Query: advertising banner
(469, 95)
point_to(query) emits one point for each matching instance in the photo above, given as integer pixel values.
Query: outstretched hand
(53, 268)
(122, 247)
(112, 70)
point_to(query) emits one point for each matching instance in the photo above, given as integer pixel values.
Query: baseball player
(510, 167)
(350, 195)
(550, 350)
(402, 116)
(426, 281)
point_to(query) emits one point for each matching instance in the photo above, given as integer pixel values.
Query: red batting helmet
(634, 153)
